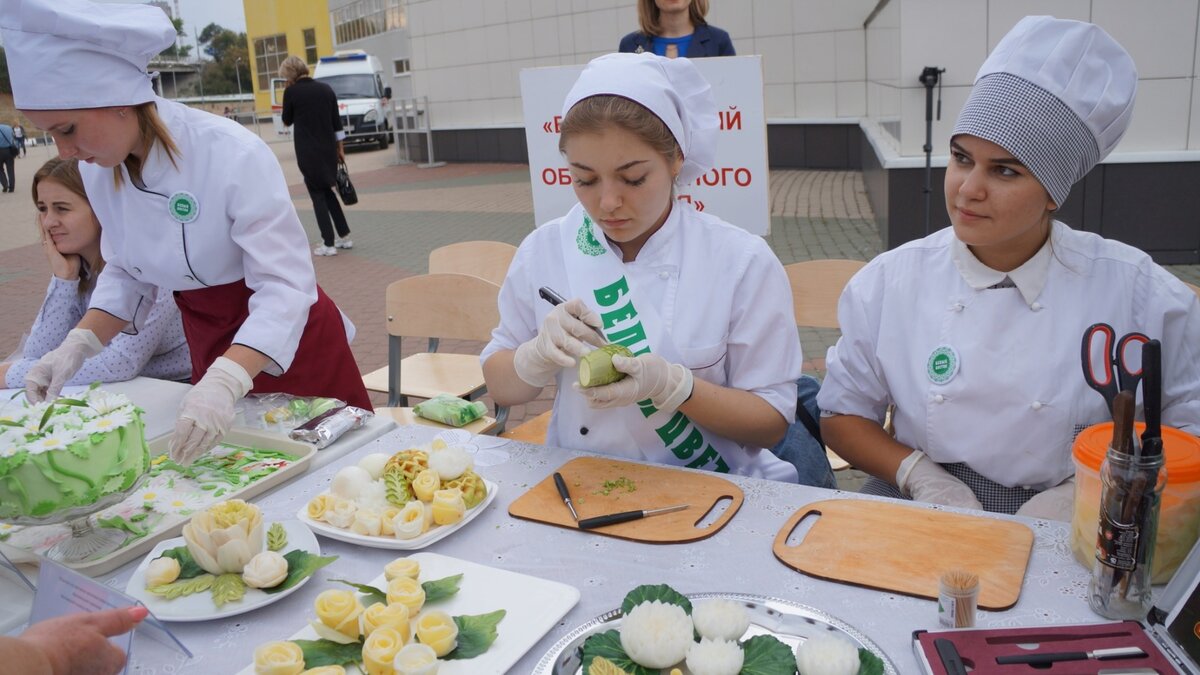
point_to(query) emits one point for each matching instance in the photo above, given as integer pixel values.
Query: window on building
(400, 67)
(269, 52)
(364, 18)
(310, 45)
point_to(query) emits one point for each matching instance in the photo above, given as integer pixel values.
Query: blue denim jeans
(799, 447)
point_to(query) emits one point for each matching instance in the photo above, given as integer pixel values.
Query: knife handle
(1152, 389)
(948, 653)
(1037, 659)
(610, 519)
(562, 486)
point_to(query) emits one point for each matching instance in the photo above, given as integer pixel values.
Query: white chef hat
(672, 89)
(69, 54)
(1057, 94)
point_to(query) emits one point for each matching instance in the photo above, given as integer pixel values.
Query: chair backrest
(816, 287)
(486, 259)
(452, 306)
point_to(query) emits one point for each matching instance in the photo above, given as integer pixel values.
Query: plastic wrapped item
(281, 412)
(330, 425)
(450, 410)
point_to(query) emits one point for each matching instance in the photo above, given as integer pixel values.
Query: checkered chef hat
(672, 89)
(1056, 94)
(70, 54)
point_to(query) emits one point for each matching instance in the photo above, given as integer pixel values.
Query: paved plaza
(404, 212)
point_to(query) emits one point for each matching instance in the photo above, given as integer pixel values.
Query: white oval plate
(200, 606)
(435, 533)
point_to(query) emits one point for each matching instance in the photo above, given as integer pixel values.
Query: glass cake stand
(88, 540)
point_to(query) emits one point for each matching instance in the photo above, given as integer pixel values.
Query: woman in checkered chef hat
(190, 202)
(973, 332)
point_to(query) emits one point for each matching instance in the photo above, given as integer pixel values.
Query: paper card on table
(63, 591)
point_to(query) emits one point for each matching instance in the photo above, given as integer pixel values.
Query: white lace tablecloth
(737, 559)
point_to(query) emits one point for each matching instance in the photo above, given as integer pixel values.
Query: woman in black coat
(312, 108)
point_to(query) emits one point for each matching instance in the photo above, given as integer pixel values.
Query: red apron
(323, 365)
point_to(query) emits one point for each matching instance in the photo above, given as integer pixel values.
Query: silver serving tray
(791, 622)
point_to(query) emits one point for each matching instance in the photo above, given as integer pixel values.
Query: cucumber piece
(596, 368)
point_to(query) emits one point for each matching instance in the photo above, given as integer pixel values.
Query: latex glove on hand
(558, 344)
(206, 411)
(46, 378)
(1056, 503)
(649, 376)
(924, 480)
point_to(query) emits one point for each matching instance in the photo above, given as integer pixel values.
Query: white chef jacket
(722, 295)
(246, 229)
(1018, 398)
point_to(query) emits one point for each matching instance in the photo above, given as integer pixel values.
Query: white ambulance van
(357, 79)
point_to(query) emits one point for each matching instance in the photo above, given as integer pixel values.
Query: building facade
(379, 28)
(276, 29)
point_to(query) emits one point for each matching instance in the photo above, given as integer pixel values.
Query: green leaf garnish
(661, 592)
(440, 589)
(72, 402)
(9, 423)
(119, 523)
(46, 417)
(180, 588)
(228, 588)
(188, 567)
(869, 664)
(475, 634)
(276, 537)
(301, 565)
(329, 653)
(608, 646)
(766, 655)
(374, 595)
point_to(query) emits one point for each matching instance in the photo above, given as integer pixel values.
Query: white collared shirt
(1029, 278)
(1018, 397)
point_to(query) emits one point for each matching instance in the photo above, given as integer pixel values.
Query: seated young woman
(71, 241)
(974, 332)
(705, 306)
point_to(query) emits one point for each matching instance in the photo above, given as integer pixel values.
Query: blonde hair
(648, 15)
(151, 130)
(65, 172)
(597, 113)
(293, 68)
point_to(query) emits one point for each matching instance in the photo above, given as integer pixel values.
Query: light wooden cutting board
(906, 549)
(656, 487)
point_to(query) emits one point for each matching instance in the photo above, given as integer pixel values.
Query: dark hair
(596, 113)
(648, 15)
(65, 172)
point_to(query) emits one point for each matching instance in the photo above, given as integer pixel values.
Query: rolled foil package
(330, 425)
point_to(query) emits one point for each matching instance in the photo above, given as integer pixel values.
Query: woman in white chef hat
(705, 306)
(974, 332)
(190, 202)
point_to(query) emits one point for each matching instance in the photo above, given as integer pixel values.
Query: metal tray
(791, 622)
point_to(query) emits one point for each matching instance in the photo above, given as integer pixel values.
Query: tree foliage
(177, 50)
(220, 76)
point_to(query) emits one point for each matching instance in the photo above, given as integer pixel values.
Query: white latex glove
(650, 376)
(206, 411)
(46, 378)
(924, 480)
(1056, 503)
(560, 341)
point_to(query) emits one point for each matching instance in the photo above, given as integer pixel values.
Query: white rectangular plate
(533, 607)
(434, 534)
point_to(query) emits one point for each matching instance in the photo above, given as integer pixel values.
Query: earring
(122, 113)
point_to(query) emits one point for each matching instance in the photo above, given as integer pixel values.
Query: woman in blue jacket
(675, 28)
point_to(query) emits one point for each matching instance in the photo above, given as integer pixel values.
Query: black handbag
(344, 187)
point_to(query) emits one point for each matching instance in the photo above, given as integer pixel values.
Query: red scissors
(1115, 375)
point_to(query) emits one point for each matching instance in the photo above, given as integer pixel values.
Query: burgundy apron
(323, 365)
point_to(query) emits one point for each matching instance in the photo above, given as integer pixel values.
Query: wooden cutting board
(906, 549)
(654, 486)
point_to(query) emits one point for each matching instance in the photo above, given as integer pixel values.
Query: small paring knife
(948, 653)
(625, 516)
(565, 494)
(1053, 657)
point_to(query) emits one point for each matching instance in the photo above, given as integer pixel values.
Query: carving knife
(1053, 657)
(624, 516)
(566, 495)
(948, 653)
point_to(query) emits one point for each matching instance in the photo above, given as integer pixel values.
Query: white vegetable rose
(367, 522)
(278, 658)
(341, 514)
(715, 657)
(265, 570)
(402, 567)
(416, 659)
(411, 522)
(656, 634)
(438, 630)
(827, 655)
(451, 462)
(161, 571)
(720, 619)
(380, 649)
(225, 536)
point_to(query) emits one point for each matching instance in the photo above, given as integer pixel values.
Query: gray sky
(199, 13)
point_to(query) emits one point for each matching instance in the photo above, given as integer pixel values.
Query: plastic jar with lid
(1179, 516)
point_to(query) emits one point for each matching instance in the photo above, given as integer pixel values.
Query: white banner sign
(735, 189)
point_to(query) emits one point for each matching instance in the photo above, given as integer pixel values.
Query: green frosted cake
(68, 453)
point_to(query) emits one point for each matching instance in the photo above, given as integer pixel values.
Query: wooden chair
(486, 259)
(816, 287)
(436, 306)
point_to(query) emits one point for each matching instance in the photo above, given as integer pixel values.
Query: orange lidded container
(1179, 515)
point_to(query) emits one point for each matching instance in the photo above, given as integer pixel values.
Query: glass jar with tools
(1132, 481)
